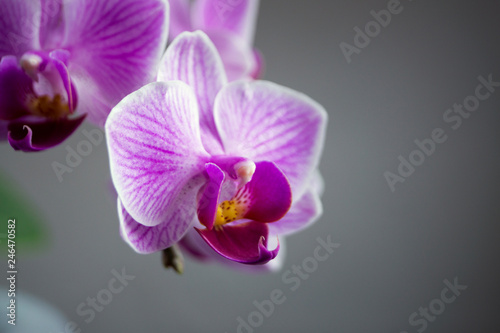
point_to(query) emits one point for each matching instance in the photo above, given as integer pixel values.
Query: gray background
(396, 248)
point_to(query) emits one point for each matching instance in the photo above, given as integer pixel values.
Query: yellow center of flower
(232, 210)
(52, 108)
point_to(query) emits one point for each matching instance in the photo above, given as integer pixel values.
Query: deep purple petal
(196, 246)
(245, 243)
(115, 47)
(193, 59)
(180, 17)
(208, 198)
(16, 89)
(155, 149)
(31, 134)
(145, 239)
(268, 194)
(52, 23)
(267, 122)
(237, 17)
(303, 213)
(19, 26)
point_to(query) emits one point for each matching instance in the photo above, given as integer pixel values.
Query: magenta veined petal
(245, 243)
(193, 59)
(115, 47)
(155, 149)
(19, 27)
(267, 122)
(145, 239)
(31, 134)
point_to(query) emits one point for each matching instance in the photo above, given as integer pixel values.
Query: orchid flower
(230, 24)
(235, 162)
(64, 60)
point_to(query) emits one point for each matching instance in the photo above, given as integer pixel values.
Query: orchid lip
(264, 199)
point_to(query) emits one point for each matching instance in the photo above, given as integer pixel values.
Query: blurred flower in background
(237, 161)
(62, 61)
(230, 24)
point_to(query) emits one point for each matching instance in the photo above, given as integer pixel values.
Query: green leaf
(14, 205)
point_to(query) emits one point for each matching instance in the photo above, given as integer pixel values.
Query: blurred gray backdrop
(399, 250)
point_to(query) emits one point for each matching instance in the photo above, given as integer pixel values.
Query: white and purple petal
(263, 121)
(115, 47)
(144, 239)
(155, 149)
(193, 59)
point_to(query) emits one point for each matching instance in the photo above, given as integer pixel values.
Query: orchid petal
(267, 122)
(198, 248)
(180, 17)
(268, 193)
(19, 26)
(115, 46)
(145, 239)
(245, 243)
(209, 195)
(303, 213)
(193, 59)
(238, 17)
(31, 134)
(16, 88)
(155, 149)
(237, 56)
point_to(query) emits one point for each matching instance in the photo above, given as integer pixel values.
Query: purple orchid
(230, 24)
(64, 60)
(193, 150)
